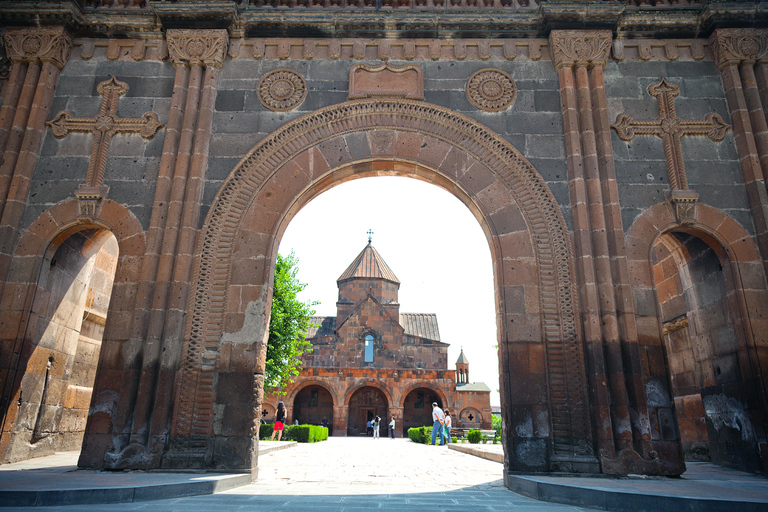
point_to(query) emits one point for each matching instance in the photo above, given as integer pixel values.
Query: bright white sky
(429, 239)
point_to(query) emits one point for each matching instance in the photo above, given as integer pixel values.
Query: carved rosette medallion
(580, 47)
(201, 47)
(282, 90)
(491, 90)
(38, 45)
(736, 46)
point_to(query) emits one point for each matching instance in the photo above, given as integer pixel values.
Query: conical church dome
(369, 265)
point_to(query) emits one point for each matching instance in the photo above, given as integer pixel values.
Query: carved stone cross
(671, 129)
(105, 125)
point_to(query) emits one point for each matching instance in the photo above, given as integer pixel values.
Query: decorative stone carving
(367, 81)
(684, 204)
(103, 127)
(491, 90)
(671, 128)
(201, 47)
(89, 201)
(670, 327)
(580, 47)
(549, 235)
(282, 90)
(735, 46)
(38, 44)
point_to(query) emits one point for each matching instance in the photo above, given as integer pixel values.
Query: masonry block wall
(592, 159)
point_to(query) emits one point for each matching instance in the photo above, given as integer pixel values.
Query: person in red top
(279, 422)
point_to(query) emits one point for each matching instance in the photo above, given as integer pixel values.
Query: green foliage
(305, 433)
(420, 435)
(454, 440)
(474, 436)
(496, 423)
(288, 325)
(265, 431)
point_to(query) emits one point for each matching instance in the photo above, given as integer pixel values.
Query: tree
(288, 326)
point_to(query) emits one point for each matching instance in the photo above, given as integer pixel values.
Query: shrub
(304, 433)
(420, 435)
(496, 424)
(265, 431)
(474, 436)
(454, 440)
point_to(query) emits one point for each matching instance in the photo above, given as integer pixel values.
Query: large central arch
(543, 392)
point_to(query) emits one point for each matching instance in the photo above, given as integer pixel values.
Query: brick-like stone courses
(61, 350)
(697, 300)
(744, 284)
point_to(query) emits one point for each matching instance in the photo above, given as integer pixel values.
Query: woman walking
(279, 422)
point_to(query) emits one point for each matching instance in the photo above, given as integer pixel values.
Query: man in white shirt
(438, 419)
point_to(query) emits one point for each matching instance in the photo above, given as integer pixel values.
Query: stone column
(737, 52)
(607, 310)
(141, 425)
(397, 413)
(38, 55)
(340, 418)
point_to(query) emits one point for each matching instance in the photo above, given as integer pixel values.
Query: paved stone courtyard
(357, 474)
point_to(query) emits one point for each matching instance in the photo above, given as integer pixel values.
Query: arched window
(369, 349)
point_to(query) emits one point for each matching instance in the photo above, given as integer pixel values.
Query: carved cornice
(738, 46)
(201, 47)
(580, 47)
(48, 44)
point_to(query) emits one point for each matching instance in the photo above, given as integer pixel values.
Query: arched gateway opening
(366, 403)
(525, 229)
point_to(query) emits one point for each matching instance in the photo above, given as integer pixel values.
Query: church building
(373, 360)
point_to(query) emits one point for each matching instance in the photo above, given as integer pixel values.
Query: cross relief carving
(103, 127)
(670, 128)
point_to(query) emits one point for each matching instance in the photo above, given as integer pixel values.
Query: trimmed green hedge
(421, 435)
(265, 430)
(298, 433)
(474, 436)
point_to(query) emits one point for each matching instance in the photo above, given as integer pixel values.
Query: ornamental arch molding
(539, 339)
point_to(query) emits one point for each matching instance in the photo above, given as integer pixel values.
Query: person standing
(376, 425)
(438, 418)
(279, 422)
(448, 425)
(392, 427)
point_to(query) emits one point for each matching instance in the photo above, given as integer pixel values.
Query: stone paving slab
(363, 474)
(494, 452)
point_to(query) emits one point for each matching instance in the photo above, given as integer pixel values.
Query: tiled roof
(462, 358)
(473, 386)
(327, 326)
(423, 325)
(369, 264)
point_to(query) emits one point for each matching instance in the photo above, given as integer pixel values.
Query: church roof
(473, 386)
(423, 325)
(462, 358)
(325, 326)
(369, 264)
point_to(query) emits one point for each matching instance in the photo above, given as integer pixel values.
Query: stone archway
(541, 348)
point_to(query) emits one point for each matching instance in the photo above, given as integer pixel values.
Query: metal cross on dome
(370, 234)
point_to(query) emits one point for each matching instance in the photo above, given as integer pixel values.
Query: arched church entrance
(365, 404)
(417, 408)
(59, 352)
(312, 405)
(705, 353)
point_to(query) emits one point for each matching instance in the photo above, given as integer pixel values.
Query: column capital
(734, 46)
(580, 47)
(202, 47)
(44, 44)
